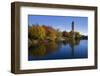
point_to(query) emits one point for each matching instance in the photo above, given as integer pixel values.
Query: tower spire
(73, 35)
(73, 26)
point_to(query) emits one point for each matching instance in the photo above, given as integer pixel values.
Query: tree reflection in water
(73, 43)
(41, 50)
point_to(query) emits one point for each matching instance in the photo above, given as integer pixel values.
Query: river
(61, 50)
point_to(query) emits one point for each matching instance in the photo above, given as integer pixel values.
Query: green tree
(77, 35)
(71, 33)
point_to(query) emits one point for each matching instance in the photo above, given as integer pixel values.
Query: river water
(61, 50)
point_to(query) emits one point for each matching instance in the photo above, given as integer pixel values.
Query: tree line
(44, 33)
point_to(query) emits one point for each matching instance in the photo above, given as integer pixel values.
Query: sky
(63, 23)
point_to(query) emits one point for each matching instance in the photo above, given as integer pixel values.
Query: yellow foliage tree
(52, 34)
(37, 32)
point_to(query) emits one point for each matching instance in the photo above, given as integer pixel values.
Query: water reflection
(42, 50)
(56, 50)
(73, 43)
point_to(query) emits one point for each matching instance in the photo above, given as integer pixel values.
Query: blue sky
(63, 23)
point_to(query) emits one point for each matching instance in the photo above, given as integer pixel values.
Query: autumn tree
(37, 32)
(59, 34)
(65, 34)
(51, 33)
